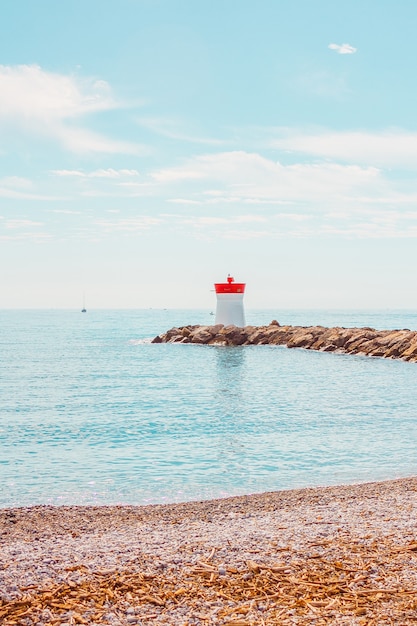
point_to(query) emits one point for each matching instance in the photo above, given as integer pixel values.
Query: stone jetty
(391, 344)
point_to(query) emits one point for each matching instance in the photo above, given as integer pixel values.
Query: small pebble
(284, 531)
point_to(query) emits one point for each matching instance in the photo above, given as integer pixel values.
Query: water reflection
(231, 407)
(230, 370)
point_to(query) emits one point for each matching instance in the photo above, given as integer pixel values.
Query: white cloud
(104, 182)
(218, 220)
(344, 48)
(18, 223)
(101, 173)
(48, 104)
(81, 140)
(26, 236)
(389, 148)
(128, 225)
(16, 181)
(122, 190)
(243, 235)
(69, 173)
(6, 192)
(111, 173)
(22, 230)
(250, 177)
(184, 201)
(295, 217)
(371, 231)
(30, 92)
(19, 188)
(317, 196)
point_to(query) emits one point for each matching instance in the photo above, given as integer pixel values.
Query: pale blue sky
(149, 148)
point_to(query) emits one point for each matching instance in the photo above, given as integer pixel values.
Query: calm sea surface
(92, 413)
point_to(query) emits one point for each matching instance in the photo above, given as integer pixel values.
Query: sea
(93, 413)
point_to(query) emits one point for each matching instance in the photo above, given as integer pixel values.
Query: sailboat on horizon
(83, 310)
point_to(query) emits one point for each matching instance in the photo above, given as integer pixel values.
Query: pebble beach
(332, 555)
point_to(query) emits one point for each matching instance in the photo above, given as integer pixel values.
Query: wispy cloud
(28, 90)
(81, 140)
(18, 223)
(174, 129)
(344, 48)
(26, 236)
(19, 188)
(184, 201)
(108, 182)
(243, 226)
(251, 177)
(50, 104)
(320, 196)
(16, 182)
(22, 230)
(101, 173)
(128, 225)
(388, 148)
(219, 220)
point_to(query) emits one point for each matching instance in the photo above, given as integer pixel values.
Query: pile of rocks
(393, 344)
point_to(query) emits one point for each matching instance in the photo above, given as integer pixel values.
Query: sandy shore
(337, 555)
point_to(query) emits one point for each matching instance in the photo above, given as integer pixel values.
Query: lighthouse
(229, 309)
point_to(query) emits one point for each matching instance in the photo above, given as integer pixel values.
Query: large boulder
(233, 335)
(301, 339)
(202, 335)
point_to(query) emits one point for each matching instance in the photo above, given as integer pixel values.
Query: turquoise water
(92, 413)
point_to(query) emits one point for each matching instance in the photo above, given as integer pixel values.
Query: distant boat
(83, 310)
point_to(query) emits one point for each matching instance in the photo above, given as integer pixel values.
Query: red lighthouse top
(230, 286)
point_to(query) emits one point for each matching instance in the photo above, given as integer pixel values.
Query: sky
(148, 148)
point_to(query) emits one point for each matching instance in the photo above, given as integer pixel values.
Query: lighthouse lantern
(229, 309)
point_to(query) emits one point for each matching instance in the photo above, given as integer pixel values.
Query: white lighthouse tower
(229, 309)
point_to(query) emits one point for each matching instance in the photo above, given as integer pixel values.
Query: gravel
(332, 555)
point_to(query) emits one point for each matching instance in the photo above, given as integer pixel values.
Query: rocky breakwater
(392, 344)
